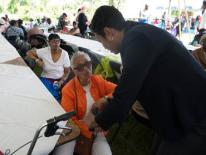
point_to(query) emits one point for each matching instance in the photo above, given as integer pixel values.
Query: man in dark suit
(160, 73)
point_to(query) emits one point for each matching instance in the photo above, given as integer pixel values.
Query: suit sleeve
(138, 55)
(109, 88)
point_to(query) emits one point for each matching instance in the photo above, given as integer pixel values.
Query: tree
(23, 2)
(38, 8)
(116, 3)
(111, 2)
(1, 9)
(12, 6)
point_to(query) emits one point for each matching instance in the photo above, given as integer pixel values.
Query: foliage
(1, 9)
(12, 7)
(116, 3)
(175, 13)
(23, 2)
(50, 8)
(111, 2)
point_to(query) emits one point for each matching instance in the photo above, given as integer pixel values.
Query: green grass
(133, 138)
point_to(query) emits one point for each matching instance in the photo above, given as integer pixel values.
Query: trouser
(83, 29)
(100, 147)
(193, 143)
(198, 36)
(48, 83)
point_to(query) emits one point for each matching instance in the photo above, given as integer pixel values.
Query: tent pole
(169, 9)
(187, 22)
(179, 16)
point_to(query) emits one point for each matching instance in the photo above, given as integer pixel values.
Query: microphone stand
(51, 128)
(35, 139)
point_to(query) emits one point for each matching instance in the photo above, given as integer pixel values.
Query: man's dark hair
(20, 22)
(53, 36)
(79, 10)
(107, 16)
(74, 23)
(203, 4)
(48, 20)
(64, 14)
(13, 22)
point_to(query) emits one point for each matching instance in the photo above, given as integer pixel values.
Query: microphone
(51, 123)
(62, 117)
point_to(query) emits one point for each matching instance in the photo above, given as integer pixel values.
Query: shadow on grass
(133, 138)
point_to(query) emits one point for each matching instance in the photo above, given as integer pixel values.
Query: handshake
(99, 105)
(95, 110)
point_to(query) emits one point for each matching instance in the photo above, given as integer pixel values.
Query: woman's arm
(64, 77)
(33, 55)
(108, 90)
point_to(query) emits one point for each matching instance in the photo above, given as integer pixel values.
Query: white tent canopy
(25, 104)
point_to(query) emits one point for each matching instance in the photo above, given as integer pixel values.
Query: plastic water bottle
(55, 85)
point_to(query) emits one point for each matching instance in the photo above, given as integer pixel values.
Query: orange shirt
(74, 98)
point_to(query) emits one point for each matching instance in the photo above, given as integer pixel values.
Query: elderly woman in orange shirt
(79, 94)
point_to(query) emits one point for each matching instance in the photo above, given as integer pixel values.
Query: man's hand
(90, 121)
(100, 104)
(90, 118)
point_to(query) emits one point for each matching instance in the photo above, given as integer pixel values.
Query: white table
(25, 104)
(7, 52)
(92, 45)
(97, 47)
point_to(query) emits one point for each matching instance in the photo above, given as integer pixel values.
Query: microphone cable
(7, 152)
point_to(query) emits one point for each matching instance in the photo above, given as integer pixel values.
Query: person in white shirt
(54, 62)
(3, 26)
(203, 20)
(202, 27)
(145, 14)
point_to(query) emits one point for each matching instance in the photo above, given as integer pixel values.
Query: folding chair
(67, 48)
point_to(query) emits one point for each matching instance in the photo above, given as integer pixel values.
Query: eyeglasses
(80, 67)
(55, 40)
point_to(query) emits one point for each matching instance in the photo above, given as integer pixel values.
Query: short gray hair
(77, 54)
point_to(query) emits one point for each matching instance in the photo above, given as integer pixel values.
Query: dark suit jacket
(160, 73)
